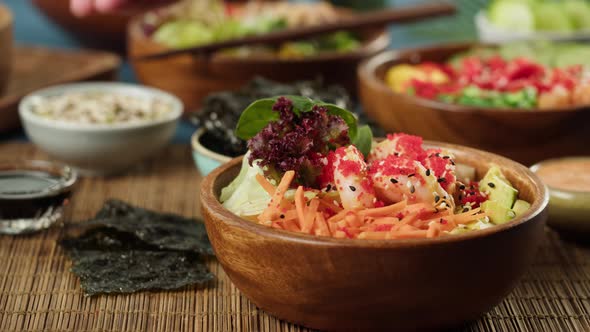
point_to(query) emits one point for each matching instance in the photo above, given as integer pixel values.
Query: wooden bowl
(344, 284)
(192, 78)
(6, 48)
(527, 136)
(103, 31)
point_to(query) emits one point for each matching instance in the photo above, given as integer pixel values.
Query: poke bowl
(526, 134)
(399, 232)
(192, 78)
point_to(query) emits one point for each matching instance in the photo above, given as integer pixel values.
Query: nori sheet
(126, 249)
(164, 230)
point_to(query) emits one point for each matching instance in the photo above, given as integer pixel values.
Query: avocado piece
(551, 16)
(521, 207)
(495, 184)
(497, 212)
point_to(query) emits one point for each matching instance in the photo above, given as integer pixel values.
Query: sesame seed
(392, 180)
(282, 216)
(439, 180)
(443, 205)
(465, 209)
(410, 175)
(491, 184)
(462, 187)
(412, 189)
(452, 162)
(446, 157)
(427, 172)
(329, 187)
(436, 198)
(352, 188)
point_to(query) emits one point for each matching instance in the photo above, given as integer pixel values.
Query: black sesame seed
(465, 209)
(439, 180)
(412, 189)
(437, 154)
(410, 175)
(452, 162)
(282, 216)
(396, 154)
(352, 188)
(392, 180)
(491, 184)
(427, 172)
(462, 187)
(329, 187)
(436, 198)
(446, 157)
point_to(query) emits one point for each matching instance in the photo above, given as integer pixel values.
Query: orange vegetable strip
(338, 216)
(321, 225)
(271, 211)
(330, 204)
(352, 219)
(333, 227)
(386, 221)
(385, 210)
(468, 216)
(300, 205)
(433, 230)
(409, 234)
(267, 186)
(339, 234)
(291, 225)
(373, 235)
(405, 220)
(309, 215)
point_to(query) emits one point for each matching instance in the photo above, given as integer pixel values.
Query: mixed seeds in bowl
(100, 108)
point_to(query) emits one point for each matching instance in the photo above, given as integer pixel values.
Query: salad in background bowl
(524, 101)
(512, 20)
(332, 57)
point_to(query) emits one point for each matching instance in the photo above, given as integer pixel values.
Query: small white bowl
(205, 159)
(100, 149)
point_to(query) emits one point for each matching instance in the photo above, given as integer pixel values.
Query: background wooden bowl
(104, 31)
(192, 78)
(5, 47)
(527, 136)
(341, 284)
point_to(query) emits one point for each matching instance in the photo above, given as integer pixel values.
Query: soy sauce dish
(100, 128)
(33, 194)
(568, 183)
(362, 234)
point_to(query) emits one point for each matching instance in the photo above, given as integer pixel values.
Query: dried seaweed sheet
(164, 230)
(123, 251)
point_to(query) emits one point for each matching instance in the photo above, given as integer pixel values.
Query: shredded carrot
(300, 205)
(309, 216)
(267, 186)
(384, 211)
(325, 217)
(271, 211)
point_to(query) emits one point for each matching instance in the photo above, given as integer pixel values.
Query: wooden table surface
(38, 293)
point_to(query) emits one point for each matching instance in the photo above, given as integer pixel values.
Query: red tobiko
(298, 143)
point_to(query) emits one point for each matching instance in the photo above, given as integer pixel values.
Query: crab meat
(351, 178)
(404, 145)
(442, 165)
(397, 178)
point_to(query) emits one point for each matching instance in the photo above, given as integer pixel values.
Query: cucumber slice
(578, 12)
(512, 15)
(551, 16)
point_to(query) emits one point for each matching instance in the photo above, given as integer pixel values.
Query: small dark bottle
(33, 195)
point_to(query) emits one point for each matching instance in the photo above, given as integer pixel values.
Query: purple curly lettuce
(298, 143)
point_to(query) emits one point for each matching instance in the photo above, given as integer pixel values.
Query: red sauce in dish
(566, 174)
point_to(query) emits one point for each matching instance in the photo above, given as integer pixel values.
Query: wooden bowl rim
(210, 201)
(367, 73)
(368, 46)
(5, 17)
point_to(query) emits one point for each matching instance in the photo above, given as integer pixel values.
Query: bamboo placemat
(38, 293)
